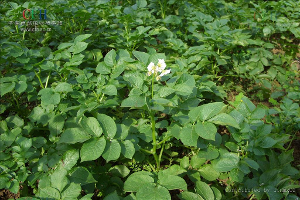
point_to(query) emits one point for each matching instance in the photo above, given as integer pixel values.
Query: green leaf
(189, 196)
(15, 186)
(92, 126)
(102, 68)
(153, 192)
(185, 163)
(165, 91)
(92, 149)
(48, 96)
(6, 88)
(56, 124)
(251, 163)
(134, 101)
(110, 90)
(205, 111)
(136, 180)
(224, 119)
(127, 149)
(3, 181)
(172, 182)
(71, 192)
(188, 136)
(112, 196)
(110, 58)
(204, 190)
(74, 135)
(209, 173)
(59, 179)
(206, 130)
(63, 87)
(108, 125)
(81, 38)
(112, 150)
(227, 162)
(48, 193)
(196, 162)
(218, 194)
(21, 86)
(141, 56)
(267, 142)
(82, 176)
(79, 47)
(119, 170)
(70, 158)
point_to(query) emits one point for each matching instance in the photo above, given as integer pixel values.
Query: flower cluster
(160, 67)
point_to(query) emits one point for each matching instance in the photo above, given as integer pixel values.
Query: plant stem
(39, 79)
(153, 130)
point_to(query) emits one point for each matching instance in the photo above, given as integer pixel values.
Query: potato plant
(150, 99)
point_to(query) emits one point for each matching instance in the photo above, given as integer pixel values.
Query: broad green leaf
(127, 149)
(189, 196)
(165, 91)
(59, 179)
(153, 192)
(188, 136)
(81, 38)
(110, 58)
(185, 163)
(6, 88)
(134, 79)
(224, 119)
(102, 68)
(14, 186)
(71, 192)
(183, 89)
(134, 101)
(108, 125)
(112, 150)
(227, 162)
(196, 162)
(141, 56)
(48, 96)
(206, 130)
(119, 170)
(74, 135)
(69, 159)
(92, 126)
(112, 196)
(110, 90)
(14, 121)
(92, 149)
(251, 163)
(21, 86)
(79, 47)
(172, 182)
(82, 176)
(267, 142)
(63, 87)
(209, 173)
(56, 124)
(135, 181)
(204, 190)
(206, 111)
(3, 181)
(217, 193)
(48, 193)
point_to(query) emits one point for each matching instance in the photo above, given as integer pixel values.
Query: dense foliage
(150, 99)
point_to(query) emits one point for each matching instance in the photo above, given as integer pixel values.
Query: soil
(6, 194)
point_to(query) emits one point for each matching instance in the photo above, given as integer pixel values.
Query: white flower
(164, 72)
(151, 69)
(161, 65)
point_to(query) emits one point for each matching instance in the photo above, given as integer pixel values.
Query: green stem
(153, 130)
(39, 79)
